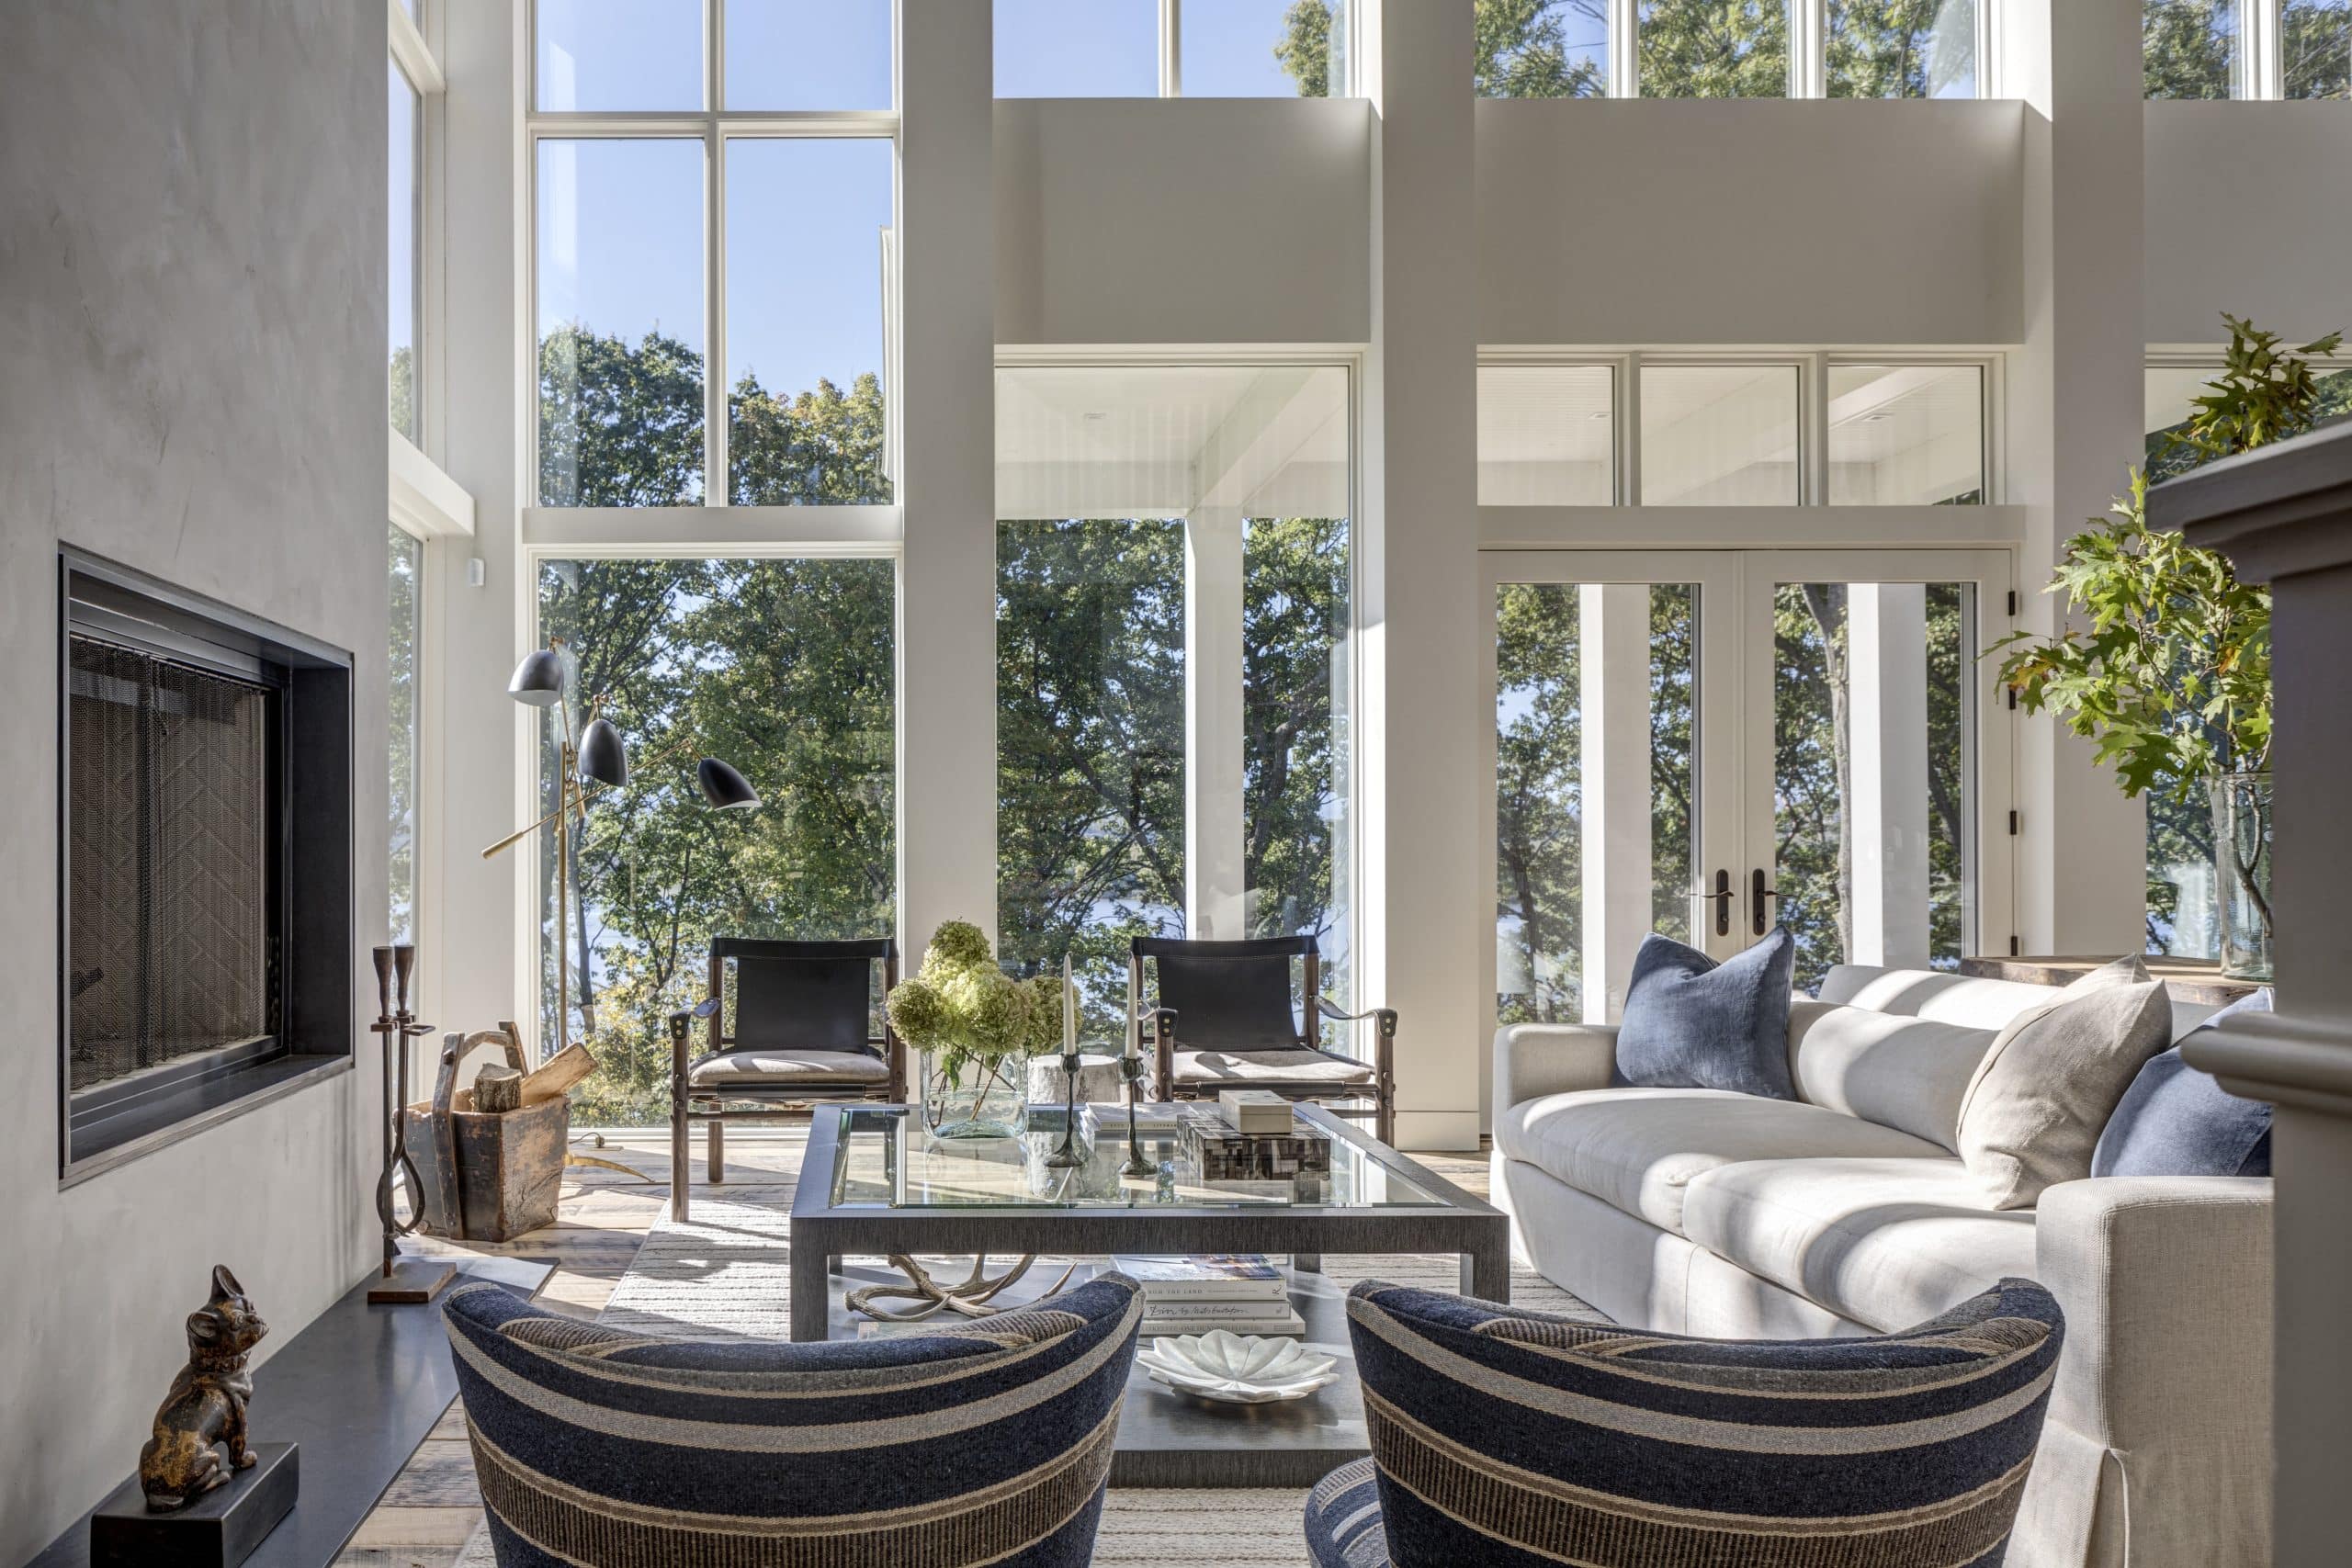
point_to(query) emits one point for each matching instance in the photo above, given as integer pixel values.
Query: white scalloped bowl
(1238, 1369)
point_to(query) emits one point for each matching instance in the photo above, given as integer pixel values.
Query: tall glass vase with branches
(2163, 658)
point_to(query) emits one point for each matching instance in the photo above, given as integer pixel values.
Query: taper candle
(1070, 1011)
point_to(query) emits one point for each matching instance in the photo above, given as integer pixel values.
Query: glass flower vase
(975, 1098)
(2242, 874)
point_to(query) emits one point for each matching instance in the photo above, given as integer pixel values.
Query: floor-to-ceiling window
(1174, 663)
(714, 545)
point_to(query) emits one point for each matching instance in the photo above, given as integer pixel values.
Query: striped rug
(725, 1273)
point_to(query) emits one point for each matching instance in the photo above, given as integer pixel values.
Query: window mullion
(2265, 31)
(1624, 50)
(716, 490)
(1809, 52)
(1171, 48)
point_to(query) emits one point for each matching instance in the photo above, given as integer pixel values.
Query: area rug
(725, 1273)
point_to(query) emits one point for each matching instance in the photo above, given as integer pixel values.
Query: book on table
(1181, 1320)
(1254, 1111)
(1224, 1277)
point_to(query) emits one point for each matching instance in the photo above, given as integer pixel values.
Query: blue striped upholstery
(1506, 1437)
(982, 1442)
(1344, 1519)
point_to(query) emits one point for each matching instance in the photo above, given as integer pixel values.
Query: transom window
(1169, 48)
(2247, 49)
(714, 187)
(1730, 48)
(1736, 430)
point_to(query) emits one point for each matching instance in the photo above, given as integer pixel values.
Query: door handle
(1722, 898)
(1756, 894)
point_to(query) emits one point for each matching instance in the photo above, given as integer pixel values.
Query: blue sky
(620, 223)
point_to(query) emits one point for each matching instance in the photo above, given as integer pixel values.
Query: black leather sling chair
(802, 1035)
(1221, 1018)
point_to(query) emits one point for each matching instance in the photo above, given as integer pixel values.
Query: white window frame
(1808, 48)
(421, 500)
(2259, 74)
(1811, 522)
(712, 126)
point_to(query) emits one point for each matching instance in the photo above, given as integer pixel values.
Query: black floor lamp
(598, 757)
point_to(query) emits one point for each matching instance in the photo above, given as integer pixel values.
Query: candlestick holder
(1070, 1156)
(1136, 1165)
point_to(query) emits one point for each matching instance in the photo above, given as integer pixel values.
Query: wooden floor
(431, 1511)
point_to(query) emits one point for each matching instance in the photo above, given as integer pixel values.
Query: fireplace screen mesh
(168, 810)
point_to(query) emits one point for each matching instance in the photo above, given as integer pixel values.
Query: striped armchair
(1502, 1438)
(983, 1442)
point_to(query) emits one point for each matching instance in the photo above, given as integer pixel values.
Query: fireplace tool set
(402, 1281)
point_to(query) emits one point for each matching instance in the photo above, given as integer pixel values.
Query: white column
(947, 472)
(2075, 405)
(475, 951)
(1886, 658)
(1614, 671)
(1427, 913)
(1214, 909)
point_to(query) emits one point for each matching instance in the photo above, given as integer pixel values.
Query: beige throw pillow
(2049, 1081)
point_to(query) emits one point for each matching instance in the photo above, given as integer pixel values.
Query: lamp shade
(538, 679)
(601, 759)
(723, 786)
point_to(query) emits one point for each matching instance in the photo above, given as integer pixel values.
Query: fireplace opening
(204, 894)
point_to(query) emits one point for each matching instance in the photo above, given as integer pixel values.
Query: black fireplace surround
(204, 864)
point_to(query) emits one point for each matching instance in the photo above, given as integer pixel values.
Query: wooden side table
(2195, 980)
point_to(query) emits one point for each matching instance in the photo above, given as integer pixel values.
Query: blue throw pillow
(1691, 1022)
(2177, 1121)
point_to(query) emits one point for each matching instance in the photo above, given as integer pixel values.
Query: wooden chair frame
(1382, 1091)
(759, 1103)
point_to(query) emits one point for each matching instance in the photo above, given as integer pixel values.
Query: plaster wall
(189, 399)
(1633, 220)
(2249, 211)
(1152, 221)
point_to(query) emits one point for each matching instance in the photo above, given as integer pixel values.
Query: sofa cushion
(1691, 1022)
(1933, 994)
(1910, 1073)
(1638, 1149)
(2177, 1119)
(2052, 1077)
(1885, 1242)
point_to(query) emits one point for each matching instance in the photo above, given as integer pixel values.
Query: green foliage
(1518, 49)
(2188, 47)
(1713, 49)
(783, 667)
(1304, 50)
(964, 1010)
(2315, 49)
(619, 427)
(815, 448)
(400, 390)
(1893, 48)
(2171, 674)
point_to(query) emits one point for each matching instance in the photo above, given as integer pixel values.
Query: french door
(1710, 743)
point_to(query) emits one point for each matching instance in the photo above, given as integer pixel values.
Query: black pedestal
(219, 1529)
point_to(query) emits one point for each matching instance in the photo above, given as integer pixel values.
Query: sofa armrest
(1532, 1059)
(2159, 1425)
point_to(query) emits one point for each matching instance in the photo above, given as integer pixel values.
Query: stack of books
(1241, 1293)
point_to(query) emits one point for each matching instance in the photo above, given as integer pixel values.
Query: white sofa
(1847, 1211)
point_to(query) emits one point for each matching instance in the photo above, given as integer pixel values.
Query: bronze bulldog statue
(206, 1404)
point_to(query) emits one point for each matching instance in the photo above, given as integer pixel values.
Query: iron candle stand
(1136, 1165)
(1070, 1156)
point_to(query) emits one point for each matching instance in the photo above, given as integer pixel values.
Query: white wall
(1181, 221)
(2249, 211)
(193, 401)
(1663, 221)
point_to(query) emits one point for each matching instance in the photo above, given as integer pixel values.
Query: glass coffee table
(875, 1184)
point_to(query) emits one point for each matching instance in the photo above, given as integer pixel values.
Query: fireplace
(205, 889)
